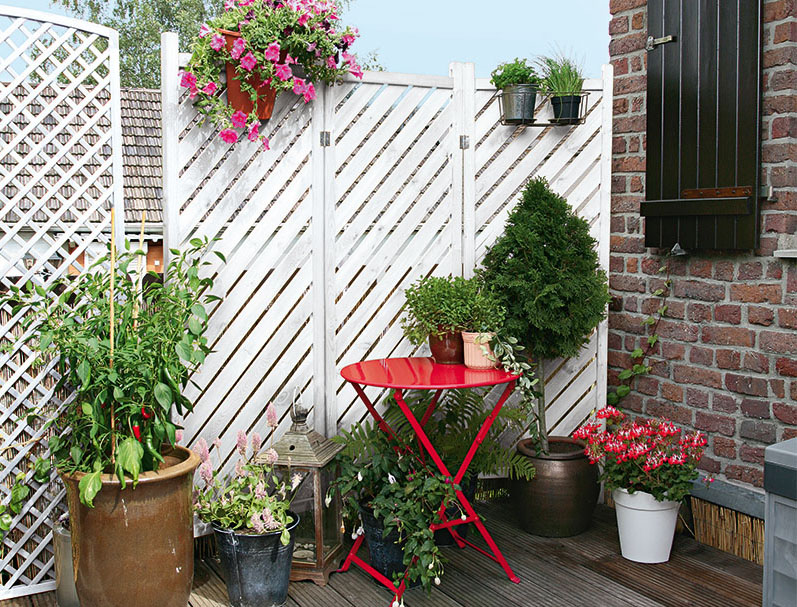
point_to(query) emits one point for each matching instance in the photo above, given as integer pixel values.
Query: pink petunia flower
(282, 71)
(303, 19)
(238, 120)
(309, 92)
(311, 47)
(273, 52)
(356, 71)
(188, 80)
(248, 62)
(245, 3)
(217, 42)
(298, 86)
(229, 136)
(331, 63)
(229, 4)
(238, 48)
(204, 30)
(289, 60)
(210, 88)
(266, 145)
(254, 131)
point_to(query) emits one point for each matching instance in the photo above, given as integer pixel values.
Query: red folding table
(424, 374)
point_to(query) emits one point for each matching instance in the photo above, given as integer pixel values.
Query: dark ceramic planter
(257, 568)
(135, 548)
(240, 100)
(448, 349)
(443, 537)
(385, 552)
(560, 499)
(566, 109)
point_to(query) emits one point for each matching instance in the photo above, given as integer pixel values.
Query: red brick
(618, 25)
(711, 422)
(724, 447)
(774, 270)
(781, 80)
(627, 44)
(709, 465)
(779, 104)
(729, 359)
(672, 392)
(785, 413)
(788, 433)
(619, 106)
(763, 432)
(753, 455)
(680, 331)
(745, 384)
(751, 270)
(755, 408)
(794, 390)
(617, 6)
(723, 270)
(778, 388)
(760, 316)
(647, 385)
(729, 313)
(700, 268)
(632, 124)
(776, 11)
(724, 403)
(754, 361)
(693, 375)
(638, 20)
(697, 398)
(672, 351)
(679, 415)
(783, 127)
(630, 84)
(756, 293)
(698, 312)
(746, 474)
(728, 336)
(787, 318)
(771, 341)
(627, 244)
(629, 164)
(785, 32)
(701, 356)
(695, 289)
(786, 366)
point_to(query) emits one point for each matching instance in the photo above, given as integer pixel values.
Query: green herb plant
(436, 305)
(121, 415)
(519, 71)
(485, 312)
(545, 270)
(561, 76)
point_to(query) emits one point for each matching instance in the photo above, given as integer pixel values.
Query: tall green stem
(541, 421)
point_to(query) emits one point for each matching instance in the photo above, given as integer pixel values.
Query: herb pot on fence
(518, 102)
(566, 109)
(257, 568)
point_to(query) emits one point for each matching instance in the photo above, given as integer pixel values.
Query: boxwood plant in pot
(545, 270)
(249, 511)
(265, 47)
(518, 82)
(437, 309)
(562, 80)
(391, 497)
(127, 347)
(649, 466)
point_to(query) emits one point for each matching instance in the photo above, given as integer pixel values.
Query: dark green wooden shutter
(703, 125)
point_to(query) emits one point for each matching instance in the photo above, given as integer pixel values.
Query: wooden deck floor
(578, 571)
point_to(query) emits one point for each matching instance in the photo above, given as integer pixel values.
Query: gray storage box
(780, 535)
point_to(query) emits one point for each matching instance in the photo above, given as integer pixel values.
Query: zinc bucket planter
(65, 591)
(518, 102)
(646, 526)
(257, 568)
(135, 547)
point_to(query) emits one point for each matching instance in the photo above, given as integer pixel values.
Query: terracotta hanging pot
(239, 99)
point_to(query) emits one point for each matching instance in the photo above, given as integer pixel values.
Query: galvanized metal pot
(257, 568)
(518, 102)
(135, 548)
(560, 499)
(65, 591)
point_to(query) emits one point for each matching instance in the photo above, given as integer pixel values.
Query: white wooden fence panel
(60, 176)
(322, 240)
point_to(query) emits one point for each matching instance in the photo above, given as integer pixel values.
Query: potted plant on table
(545, 271)
(265, 47)
(562, 80)
(252, 523)
(649, 466)
(485, 316)
(518, 82)
(437, 309)
(127, 347)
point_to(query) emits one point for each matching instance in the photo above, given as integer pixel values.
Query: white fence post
(464, 167)
(170, 97)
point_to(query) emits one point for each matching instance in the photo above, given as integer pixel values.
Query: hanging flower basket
(265, 47)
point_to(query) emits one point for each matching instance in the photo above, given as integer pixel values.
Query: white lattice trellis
(60, 175)
(321, 240)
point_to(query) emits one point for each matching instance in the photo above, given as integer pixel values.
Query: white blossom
(391, 479)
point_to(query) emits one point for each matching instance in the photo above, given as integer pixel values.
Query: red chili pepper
(144, 413)
(137, 432)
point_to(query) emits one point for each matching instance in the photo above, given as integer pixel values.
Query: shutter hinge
(654, 42)
(326, 139)
(464, 142)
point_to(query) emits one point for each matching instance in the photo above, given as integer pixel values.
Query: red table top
(421, 373)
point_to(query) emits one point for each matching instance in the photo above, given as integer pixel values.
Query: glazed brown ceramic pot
(560, 499)
(240, 100)
(135, 548)
(448, 349)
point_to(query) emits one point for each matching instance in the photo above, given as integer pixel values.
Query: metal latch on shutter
(654, 42)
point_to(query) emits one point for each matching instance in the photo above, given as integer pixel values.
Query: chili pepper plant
(650, 455)
(126, 345)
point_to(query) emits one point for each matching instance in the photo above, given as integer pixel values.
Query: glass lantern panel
(330, 519)
(305, 536)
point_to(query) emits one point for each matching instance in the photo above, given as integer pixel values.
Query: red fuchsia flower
(248, 62)
(282, 71)
(271, 416)
(204, 30)
(210, 88)
(273, 52)
(238, 48)
(253, 131)
(228, 136)
(217, 42)
(610, 413)
(238, 119)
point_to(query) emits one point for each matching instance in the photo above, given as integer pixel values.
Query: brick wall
(727, 360)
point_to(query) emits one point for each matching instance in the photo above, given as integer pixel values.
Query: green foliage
(544, 269)
(436, 305)
(140, 23)
(485, 314)
(121, 415)
(253, 500)
(561, 76)
(519, 71)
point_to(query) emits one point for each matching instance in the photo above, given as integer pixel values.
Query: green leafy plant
(519, 71)
(404, 493)
(485, 312)
(561, 76)
(127, 348)
(253, 500)
(436, 305)
(545, 270)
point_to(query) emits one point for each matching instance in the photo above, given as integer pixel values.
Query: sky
(424, 36)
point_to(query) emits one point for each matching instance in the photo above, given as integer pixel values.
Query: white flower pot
(646, 526)
(475, 357)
